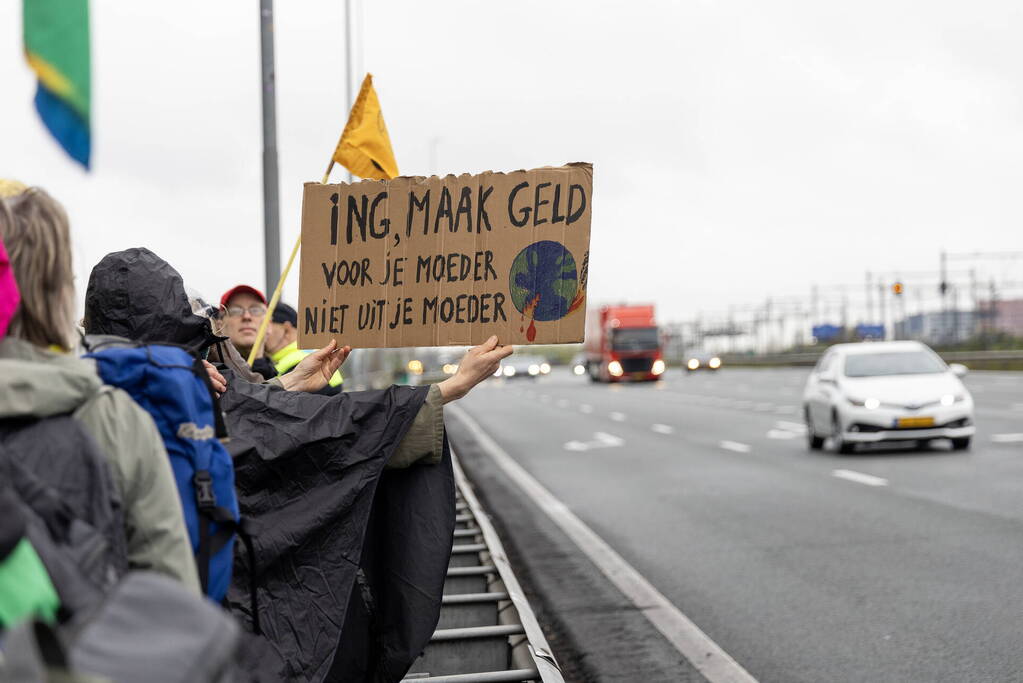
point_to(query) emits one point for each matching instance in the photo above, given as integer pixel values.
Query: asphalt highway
(891, 564)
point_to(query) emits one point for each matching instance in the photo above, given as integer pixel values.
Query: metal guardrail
(487, 632)
(804, 359)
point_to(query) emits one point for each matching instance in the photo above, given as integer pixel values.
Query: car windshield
(893, 363)
(635, 339)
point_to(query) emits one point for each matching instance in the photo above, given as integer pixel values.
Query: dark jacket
(310, 473)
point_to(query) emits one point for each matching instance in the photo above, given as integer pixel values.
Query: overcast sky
(741, 149)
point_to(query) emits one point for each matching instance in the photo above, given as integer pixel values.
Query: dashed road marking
(585, 408)
(735, 446)
(780, 434)
(716, 665)
(795, 427)
(600, 440)
(617, 417)
(1007, 438)
(663, 429)
(859, 477)
(562, 403)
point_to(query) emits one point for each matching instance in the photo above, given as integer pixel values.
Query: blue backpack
(173, 387)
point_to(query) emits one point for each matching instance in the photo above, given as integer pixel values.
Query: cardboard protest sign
(446, 261)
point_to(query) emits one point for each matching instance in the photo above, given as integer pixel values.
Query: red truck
(623, 343)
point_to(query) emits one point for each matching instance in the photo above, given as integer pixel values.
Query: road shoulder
(596, 633)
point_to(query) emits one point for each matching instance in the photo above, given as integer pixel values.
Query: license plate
(910, 422)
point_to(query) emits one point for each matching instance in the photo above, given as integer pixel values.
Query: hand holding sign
(477, 364)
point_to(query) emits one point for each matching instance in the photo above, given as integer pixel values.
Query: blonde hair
(34, 228)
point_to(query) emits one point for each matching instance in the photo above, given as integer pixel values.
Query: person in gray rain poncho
(352, 495)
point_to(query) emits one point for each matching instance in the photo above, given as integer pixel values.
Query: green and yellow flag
(57, 48)
(364, 147)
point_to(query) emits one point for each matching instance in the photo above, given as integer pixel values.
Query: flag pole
(261, 335)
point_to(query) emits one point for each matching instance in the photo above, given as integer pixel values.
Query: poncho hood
(137, 295)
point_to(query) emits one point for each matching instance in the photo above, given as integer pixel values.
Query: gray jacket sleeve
(154, 521)
(424, 441)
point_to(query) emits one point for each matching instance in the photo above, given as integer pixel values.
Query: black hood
(137, 295)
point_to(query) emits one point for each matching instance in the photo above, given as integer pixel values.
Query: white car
(886, 391)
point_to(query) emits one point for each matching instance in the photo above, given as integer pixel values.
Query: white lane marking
(585, 408)
(617, 417)
(859, 477)
(663, 429)
(703, 653)
(781, 434)
(763, 406)
(1006, 438)
(735, 446)
(795, 427)
(562, 403)
(600, 440)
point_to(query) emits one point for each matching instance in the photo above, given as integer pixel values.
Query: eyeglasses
(257, 311)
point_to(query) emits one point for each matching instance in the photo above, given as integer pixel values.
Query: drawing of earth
(546, 270)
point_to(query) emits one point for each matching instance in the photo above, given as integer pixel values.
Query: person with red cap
(242, 308)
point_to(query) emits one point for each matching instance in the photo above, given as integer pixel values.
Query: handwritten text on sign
(446, 261)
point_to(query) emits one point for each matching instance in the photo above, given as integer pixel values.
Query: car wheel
(813, 442)
(962, 444)
(843, 447)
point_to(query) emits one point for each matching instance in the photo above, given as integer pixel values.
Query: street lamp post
(271, 191)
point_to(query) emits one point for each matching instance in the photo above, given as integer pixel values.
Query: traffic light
(897, 288)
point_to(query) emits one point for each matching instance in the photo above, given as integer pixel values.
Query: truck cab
(623, 343)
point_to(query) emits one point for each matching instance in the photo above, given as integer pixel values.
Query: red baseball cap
(241, 289)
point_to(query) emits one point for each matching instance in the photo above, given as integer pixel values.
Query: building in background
(1004, 316)
(938, 327)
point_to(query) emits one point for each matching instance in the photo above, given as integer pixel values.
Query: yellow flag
(364, 147)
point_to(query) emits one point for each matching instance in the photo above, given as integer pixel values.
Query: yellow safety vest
(288, 357)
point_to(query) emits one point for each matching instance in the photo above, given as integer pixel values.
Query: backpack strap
(218, 415)
(210, 544)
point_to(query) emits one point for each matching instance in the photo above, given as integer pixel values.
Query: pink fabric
(9, 296)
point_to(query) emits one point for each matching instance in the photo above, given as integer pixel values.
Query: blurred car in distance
(702, 361)
(523, 366)
(886, 391)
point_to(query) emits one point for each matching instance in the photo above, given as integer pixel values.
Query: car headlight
(579, 369)
(868, 403)
(658, 367)
(949, 399)
(615, 368)
(715, 363)
(509, 371)
(693, 364)
(534, 369)
(545, 368)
